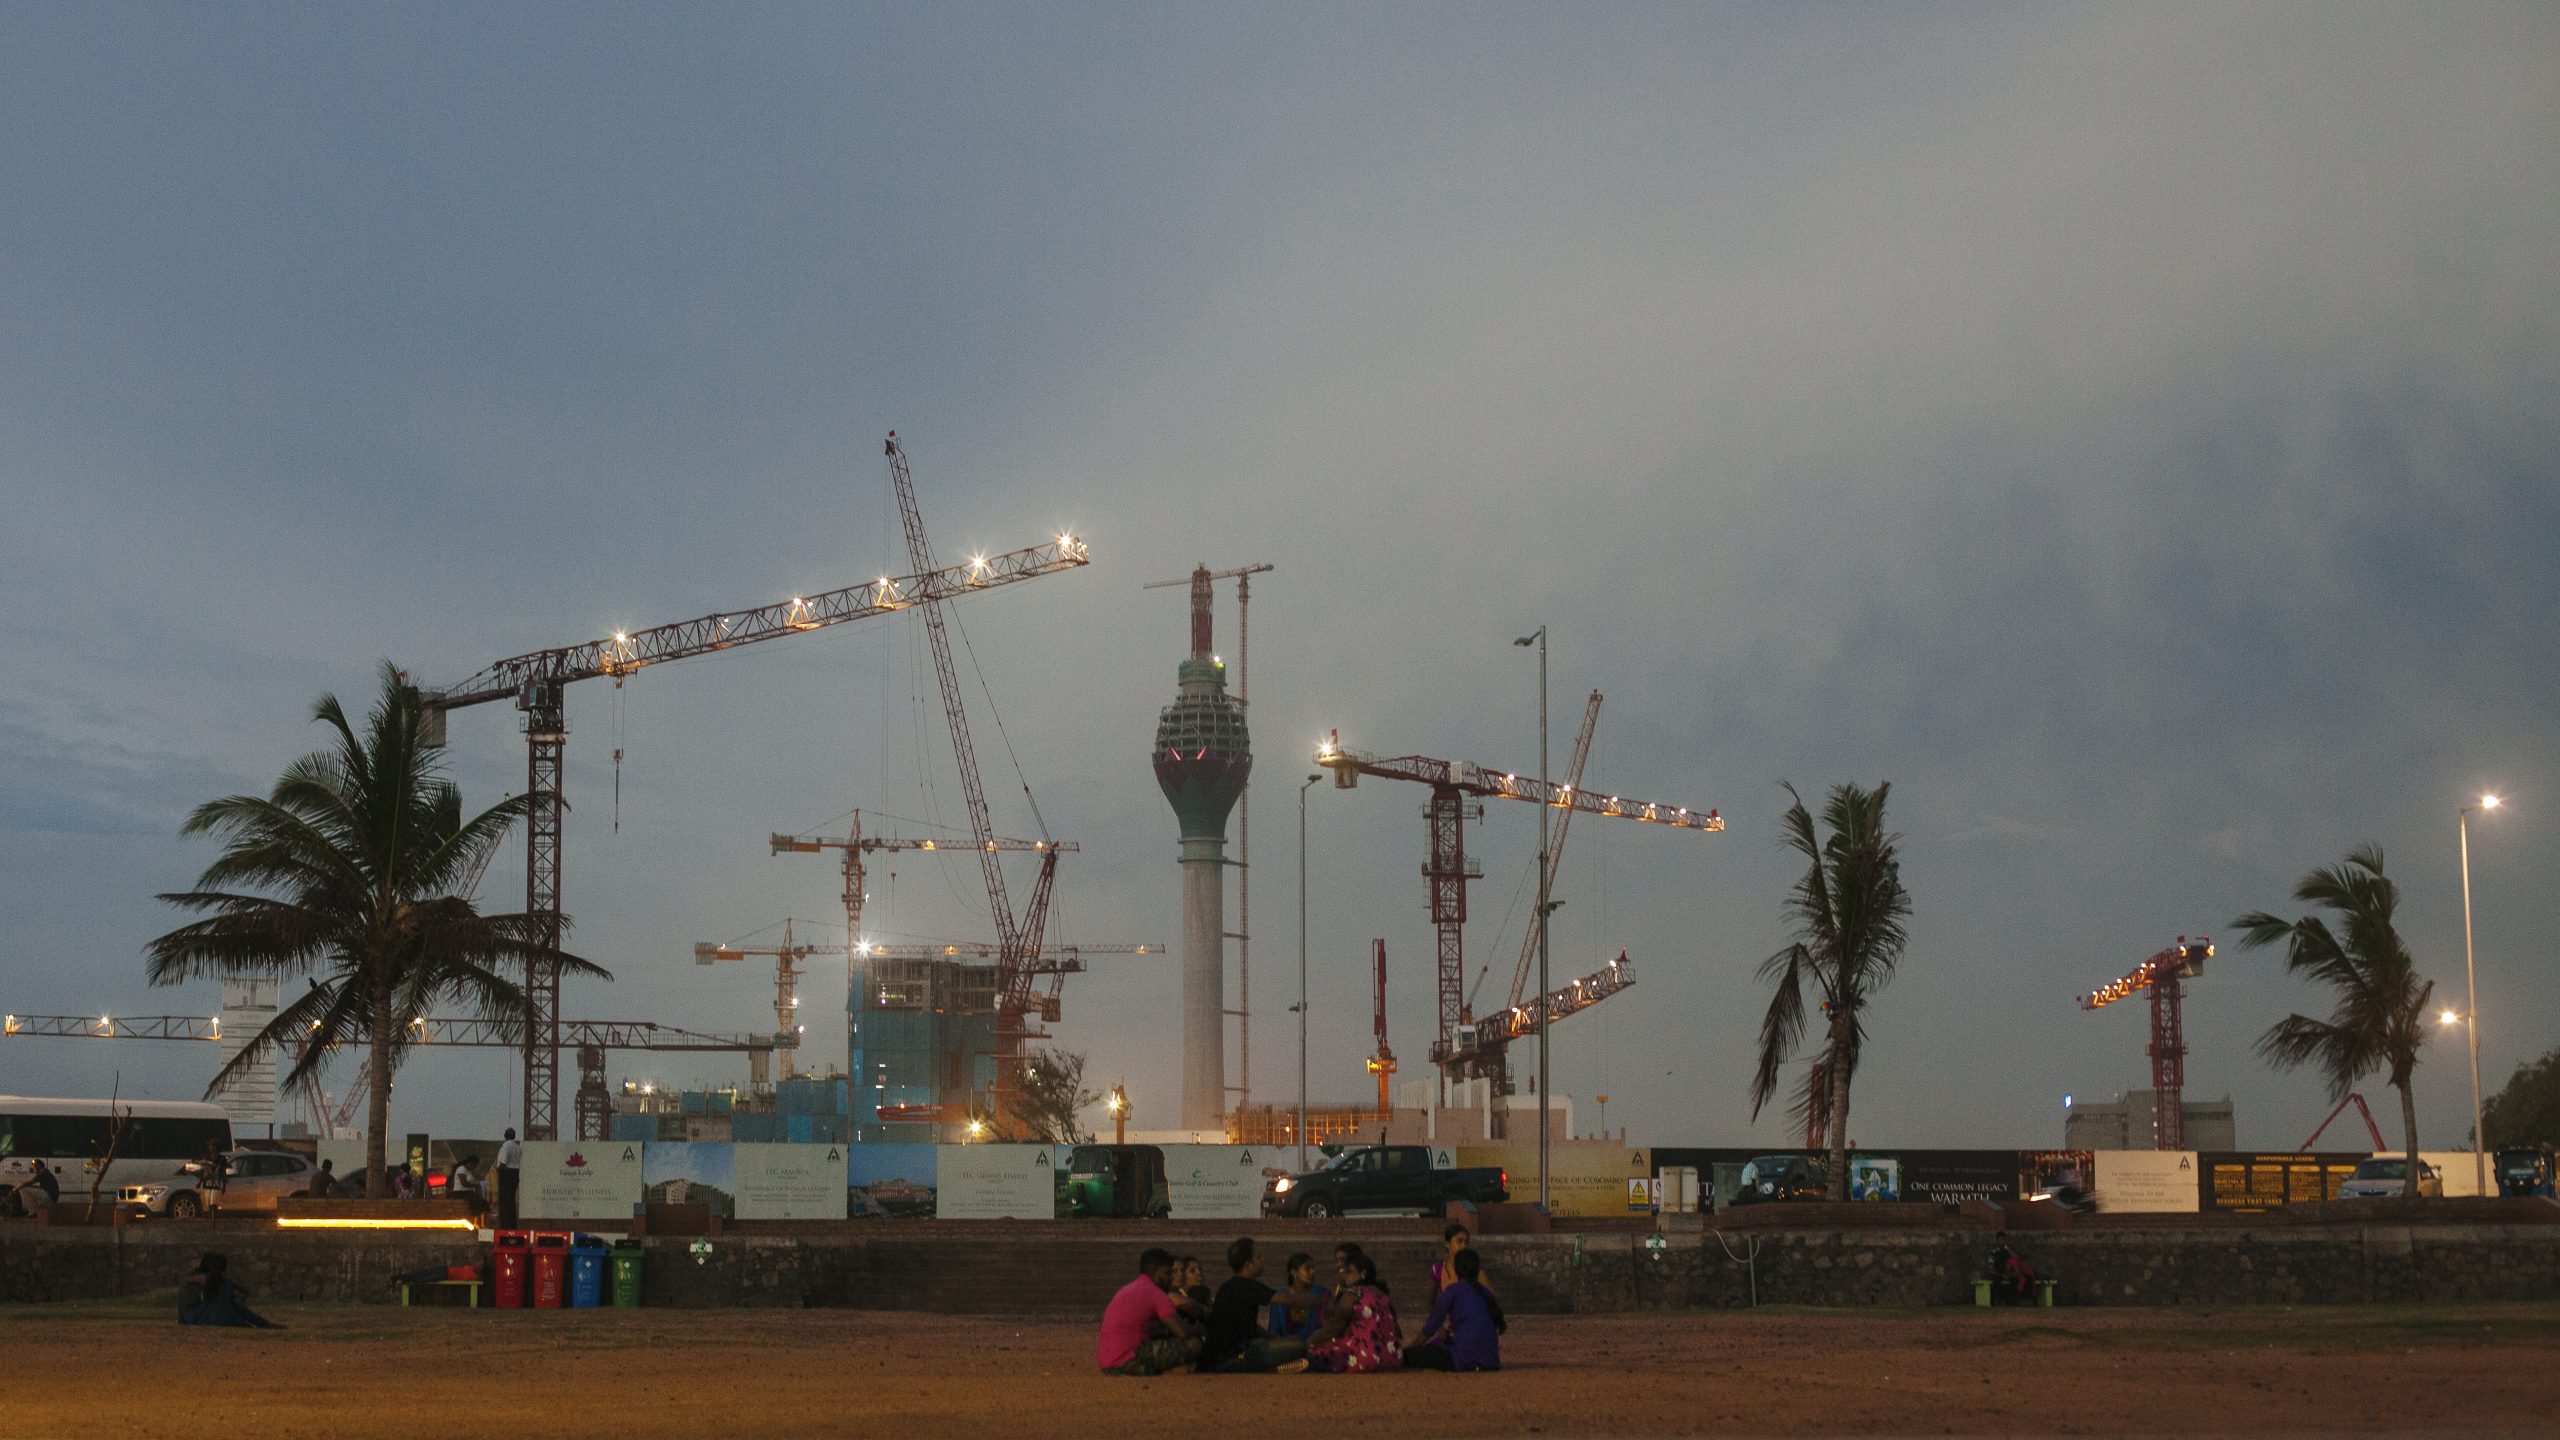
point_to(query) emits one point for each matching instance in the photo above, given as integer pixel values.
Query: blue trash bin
(587, 1257)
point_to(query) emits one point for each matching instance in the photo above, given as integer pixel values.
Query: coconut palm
(2380, 1017)
(344, 875)
(1847, 913)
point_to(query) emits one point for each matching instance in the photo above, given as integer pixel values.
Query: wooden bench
(472, 1287)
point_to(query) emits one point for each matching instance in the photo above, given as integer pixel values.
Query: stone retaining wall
(997, 1268)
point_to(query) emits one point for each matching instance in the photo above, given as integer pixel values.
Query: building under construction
(923, 1039)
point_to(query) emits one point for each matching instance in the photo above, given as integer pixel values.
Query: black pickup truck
(1392, 1178)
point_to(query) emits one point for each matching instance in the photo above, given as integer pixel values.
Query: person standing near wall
(510, 1167)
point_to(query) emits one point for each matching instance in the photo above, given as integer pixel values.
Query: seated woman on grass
(208, 1297)
(1466, 1324)
(1359, 1335)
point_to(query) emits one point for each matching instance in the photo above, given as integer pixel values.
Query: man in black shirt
(1235, 1341)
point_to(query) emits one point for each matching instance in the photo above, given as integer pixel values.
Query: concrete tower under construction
(1202, 757)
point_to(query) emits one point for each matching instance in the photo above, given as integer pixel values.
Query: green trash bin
(627, 1258)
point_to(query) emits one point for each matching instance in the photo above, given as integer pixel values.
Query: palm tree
(345, 876)
(1847, 913)
(2380, 1018)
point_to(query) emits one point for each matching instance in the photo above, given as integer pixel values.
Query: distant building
(2126, 1123)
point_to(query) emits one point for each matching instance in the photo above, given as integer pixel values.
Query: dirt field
(364, 1371)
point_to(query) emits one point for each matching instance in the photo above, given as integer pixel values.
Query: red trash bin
(508, 1256)
(550, 1269)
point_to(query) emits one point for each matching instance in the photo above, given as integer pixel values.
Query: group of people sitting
(1168, 1322)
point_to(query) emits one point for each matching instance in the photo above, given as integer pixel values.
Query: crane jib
(628, 651)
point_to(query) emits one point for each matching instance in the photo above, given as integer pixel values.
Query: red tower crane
(1019, 963)
(1459, 1051)
(537, 683)
(2164, 975)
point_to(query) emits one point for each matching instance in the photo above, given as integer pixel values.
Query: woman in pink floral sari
(1359, 1335)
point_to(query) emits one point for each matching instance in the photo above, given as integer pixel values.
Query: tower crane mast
(537, 681)
(1459, 1052)
(2164, 975)
(1382, 1064)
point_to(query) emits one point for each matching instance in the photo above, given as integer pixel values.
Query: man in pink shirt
(1142, 1332)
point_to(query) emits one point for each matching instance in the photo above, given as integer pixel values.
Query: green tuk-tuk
(1120, 1182)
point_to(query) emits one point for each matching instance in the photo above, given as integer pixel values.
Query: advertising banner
(578, 1180)
(678, 1172)
(1874, 1177)
(2145, 1182)
(1590, 1176)
(2249, 1183)
(1219, 1182)
(790, 1182)
(891, 1181)
(996, 1182)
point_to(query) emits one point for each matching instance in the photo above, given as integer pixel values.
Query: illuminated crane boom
(536, 681)
(2164, 975)
(1449, 869)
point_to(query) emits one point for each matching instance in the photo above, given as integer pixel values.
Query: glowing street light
(2471, 989)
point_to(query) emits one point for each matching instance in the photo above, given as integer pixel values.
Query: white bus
(69, 1137)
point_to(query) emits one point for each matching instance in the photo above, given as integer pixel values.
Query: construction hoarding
(2145, 1182)
(1590, 1177)
(891, 1181)
(578, 1180)
(996, 1182)
(790, 1182)
(1220, 1182)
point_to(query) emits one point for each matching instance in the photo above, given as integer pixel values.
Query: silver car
(255, 1180)
(2387, 1177)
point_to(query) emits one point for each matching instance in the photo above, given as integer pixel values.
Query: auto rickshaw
(1119, 1182)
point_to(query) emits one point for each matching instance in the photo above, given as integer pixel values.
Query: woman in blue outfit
(1466, 1324)
(207, 1297)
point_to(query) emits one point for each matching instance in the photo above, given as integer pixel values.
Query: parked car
(1394, 1179)
(255, 1180)
(2387, 1177)
(1772, 1178)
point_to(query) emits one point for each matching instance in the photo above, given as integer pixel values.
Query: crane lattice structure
(1019, 959)
(1383, 1064)
(591, 1039)
(857, 844)
(537, 683)
(1459, 1051)
(2164, 975)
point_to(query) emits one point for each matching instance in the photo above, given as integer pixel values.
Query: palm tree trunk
(2409, 1126)
(1839, 1107)
(377, 1106)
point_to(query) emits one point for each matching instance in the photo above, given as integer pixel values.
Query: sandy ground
(123, 1369)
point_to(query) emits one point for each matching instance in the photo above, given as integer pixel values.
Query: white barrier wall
(995, 1182)
(1220, 1182)
(2156, 1182)
(577, 1180)
(790, 1182)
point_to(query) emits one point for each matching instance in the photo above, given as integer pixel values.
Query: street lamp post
(1546, 1095)
(2471, 991)
(1302, 969)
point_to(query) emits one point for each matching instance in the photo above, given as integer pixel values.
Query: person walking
(510, 1169)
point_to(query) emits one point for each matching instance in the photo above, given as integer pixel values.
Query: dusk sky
(2133, 431)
